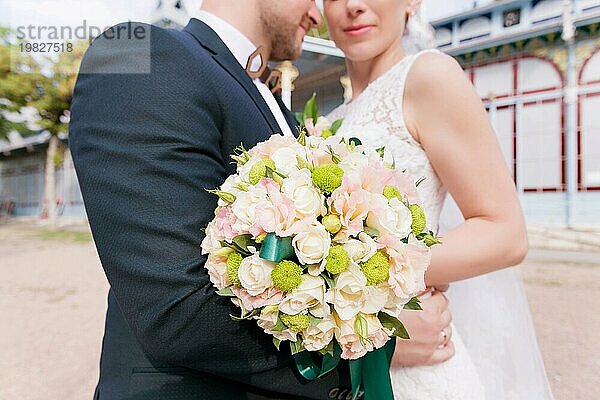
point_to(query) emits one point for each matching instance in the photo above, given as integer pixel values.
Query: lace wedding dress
(375, 117)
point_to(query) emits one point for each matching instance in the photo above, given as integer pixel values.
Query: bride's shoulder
(435, 73)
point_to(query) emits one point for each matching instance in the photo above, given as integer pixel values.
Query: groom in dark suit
(155, 115)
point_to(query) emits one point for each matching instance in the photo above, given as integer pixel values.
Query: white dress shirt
(241, 47)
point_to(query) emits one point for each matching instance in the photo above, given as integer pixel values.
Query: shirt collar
(240, 46)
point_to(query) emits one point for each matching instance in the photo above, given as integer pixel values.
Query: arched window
(443, 37)
(475, 28)
(587, 5)
(536, 74)
(590, 72)
(546, 10)
(494, 80)
(589, 141)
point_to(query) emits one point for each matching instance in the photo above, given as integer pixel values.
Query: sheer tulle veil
(490, 311)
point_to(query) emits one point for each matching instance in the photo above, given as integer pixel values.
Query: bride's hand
(430, 332)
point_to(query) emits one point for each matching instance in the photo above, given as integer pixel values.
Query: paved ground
(53, 295)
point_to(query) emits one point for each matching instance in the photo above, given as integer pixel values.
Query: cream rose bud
(362, 249)
(255, 274)
(268, 319)
(317, 337)
(310, 295)
(308, 201)
(312, 244)
(394, 219)
(245, 205)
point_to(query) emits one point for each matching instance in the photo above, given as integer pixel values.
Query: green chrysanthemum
(259, 170)
(337, 260)
(233, 265)
(297, 323)
(390, 192)
(418, 219)
(430, 240)
(326, 133)
(376, 268)
(327, 177)
(287, 276)
(332, 223)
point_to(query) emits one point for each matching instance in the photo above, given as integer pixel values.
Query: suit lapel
(221, 54)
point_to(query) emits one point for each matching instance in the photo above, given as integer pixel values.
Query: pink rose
(269, 297)
(224, 223)
(217, 271)
(408, 264)
(352, 203)
(278, 213)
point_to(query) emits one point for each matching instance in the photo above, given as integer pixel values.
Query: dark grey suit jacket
(145, 147)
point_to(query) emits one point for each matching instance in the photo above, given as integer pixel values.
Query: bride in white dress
(425, 112)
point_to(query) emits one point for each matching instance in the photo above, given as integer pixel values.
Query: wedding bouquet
(319, 241)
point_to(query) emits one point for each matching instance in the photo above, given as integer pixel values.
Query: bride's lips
(358, 30)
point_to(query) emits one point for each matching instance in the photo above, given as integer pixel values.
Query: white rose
(308, 201)
(348, 293)
(255, 274)
(354, 162)
(245, 205)
(312, 244)
(317, 337)
(309, 295)
(395, 219)
(351, 295)
(285, 158)
(268, 319)
(361, 250)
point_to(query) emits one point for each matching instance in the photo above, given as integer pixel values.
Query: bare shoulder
(437, 72)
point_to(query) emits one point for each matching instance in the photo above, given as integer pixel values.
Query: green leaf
(277, 343)
(297, 347)
(300, 117)
(329, 349)
(381, 151)
(243, 241)
(413, 304)
(336, 125)
(393, 324)
(245, 317)
(225, 196)
(310, 109)
(374, 233)
(314, 321)
(302, 163)
(226, 292)
(279, 326)
(334, 157)
(302, 137)
(327, 279)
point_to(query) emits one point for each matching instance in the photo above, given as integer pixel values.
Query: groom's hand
(430, 332)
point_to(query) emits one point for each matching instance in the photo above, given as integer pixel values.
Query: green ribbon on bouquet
(371, 372)
(276, 249)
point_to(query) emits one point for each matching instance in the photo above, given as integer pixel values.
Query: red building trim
(583, 67)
